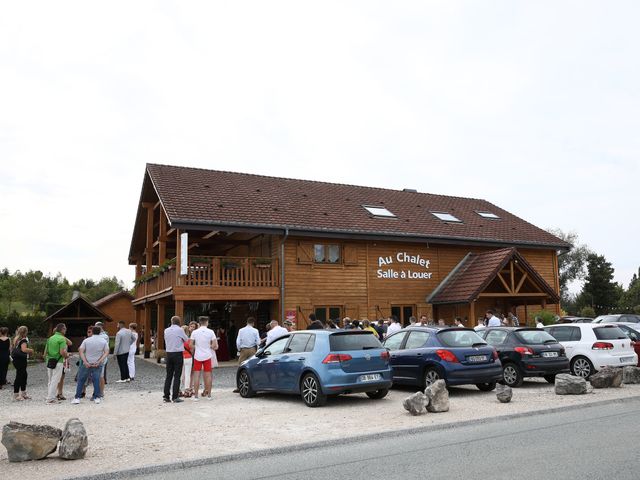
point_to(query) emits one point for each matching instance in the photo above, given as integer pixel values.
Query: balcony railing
(215, 272)
(231, 272)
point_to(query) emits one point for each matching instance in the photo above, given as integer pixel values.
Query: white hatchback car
(591, 347)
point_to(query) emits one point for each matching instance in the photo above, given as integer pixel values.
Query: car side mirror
(266, 353)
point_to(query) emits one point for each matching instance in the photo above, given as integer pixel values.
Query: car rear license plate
(370, 378)
(549, 354)
(477, 358)
(626, 359)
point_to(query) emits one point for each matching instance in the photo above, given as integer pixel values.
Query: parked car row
(316, 364)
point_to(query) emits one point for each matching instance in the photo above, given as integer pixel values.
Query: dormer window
(490, 215)
(378, 211)
(446, 217)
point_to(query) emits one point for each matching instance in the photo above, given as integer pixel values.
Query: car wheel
(378, 394)
(581, 367)
(430, 376)
(512, 375)
(550, 378)
(486, 387)
(310, 391)
(244, 385)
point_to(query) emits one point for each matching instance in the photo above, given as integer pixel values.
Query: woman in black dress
(5, 348)
(20, 354)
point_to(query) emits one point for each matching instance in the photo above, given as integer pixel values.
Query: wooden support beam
(523, 295)
(513, 278)
(147, 330)
(149, 249)
(178, 259)
(504, 283)
(472, 315)
(521, 282)
(162, 239)
(180, 310)
(171, 231)
(211, 234)
(160, 327)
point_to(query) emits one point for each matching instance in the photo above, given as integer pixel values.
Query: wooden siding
(357, 286)
(119, 309)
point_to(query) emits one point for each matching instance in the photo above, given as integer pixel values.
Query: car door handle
(276, 360)
(301, 358)
(393, 356)
(419, 355)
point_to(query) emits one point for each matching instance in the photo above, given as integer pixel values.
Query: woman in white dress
(131, 359)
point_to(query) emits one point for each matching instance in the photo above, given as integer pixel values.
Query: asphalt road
(587, 443)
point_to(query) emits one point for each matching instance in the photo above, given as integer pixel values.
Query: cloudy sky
(532, 105)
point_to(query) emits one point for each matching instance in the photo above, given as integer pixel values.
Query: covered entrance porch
(500, 280)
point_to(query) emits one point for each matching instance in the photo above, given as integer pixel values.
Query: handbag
(52, 363)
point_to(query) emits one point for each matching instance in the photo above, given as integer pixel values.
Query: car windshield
(606, 318)
(343, 342)
(535, 337)
(460, 338)
(609, 333)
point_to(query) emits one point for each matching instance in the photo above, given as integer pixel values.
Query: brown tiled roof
(112, 296)
(476, 271)
(193, 196)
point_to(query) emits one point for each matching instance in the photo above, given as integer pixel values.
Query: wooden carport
(77, 315)
(501, 280)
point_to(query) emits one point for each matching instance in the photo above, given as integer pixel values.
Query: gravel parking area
(133, 428)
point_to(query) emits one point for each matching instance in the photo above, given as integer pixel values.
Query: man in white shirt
(201, 343)
(247, 340)
(394, 326)
(492, 320)
(275, 332)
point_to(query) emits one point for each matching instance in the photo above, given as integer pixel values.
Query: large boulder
(29, 442)
(416, 404)
(570, 385)
(504, 393)
(607, 378)
(631, 375)
(74, 440)
(438, 397)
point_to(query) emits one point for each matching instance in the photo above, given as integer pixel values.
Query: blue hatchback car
(459, 356)
(316, 364)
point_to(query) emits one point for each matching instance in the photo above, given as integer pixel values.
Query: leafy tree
(599, 290)
(571, 265)
(631, 297)
(587, 312)
(33, 289)
(9, 287)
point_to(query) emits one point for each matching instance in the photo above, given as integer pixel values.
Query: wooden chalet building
(277, 247)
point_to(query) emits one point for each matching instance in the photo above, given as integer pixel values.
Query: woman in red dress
(223, 347)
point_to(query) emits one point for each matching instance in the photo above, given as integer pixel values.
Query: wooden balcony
(216, 278)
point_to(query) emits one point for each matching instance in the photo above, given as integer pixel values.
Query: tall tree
(572, 264)
(33, 289)
(599, 290)
(630, 299)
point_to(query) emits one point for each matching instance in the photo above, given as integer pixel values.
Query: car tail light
(602, 346)
(385, 355)
(447, 356)
(524, 350)
(337, 358)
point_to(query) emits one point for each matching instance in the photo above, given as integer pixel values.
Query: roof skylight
(446, 217)
(488, 215)
(378, 211)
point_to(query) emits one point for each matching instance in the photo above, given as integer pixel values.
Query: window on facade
(446, 217)
(378, 211)
(488, 215)
(325, 314)
(326, 253)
